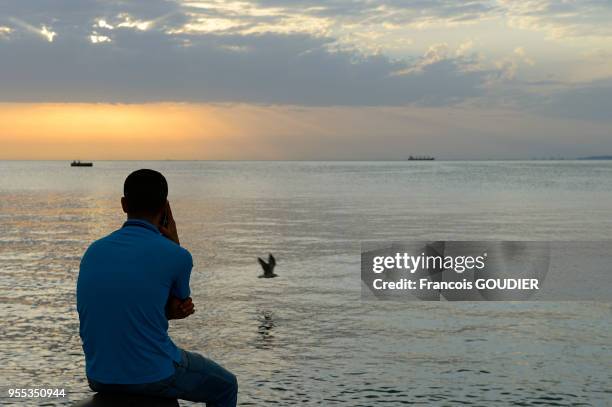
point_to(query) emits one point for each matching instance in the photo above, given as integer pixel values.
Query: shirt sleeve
(180, 287)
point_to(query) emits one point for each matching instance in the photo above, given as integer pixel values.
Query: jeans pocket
(183, 365)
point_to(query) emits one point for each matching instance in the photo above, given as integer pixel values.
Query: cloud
(561, 19)
(47, 33)
(98, 39)
(293, 69)
(276, 51)
(464, 48)
(508, 66)
(590, 101)
(103, 24)
(434, 54)
(172, 55)
(5, 32)
(44, 31)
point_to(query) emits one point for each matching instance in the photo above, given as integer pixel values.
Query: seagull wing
(271, 260)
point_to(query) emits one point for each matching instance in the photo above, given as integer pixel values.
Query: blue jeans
(196, 378)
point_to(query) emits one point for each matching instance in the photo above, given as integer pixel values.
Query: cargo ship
(420, 158)
(80, 164)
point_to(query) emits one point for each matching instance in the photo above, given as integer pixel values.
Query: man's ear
(124, 204)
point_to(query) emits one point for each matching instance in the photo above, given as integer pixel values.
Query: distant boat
(80, 164)
(597, 157)
(420, 158)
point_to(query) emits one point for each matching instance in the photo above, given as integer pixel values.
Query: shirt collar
(142, 223)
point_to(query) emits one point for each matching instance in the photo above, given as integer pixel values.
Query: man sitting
(130, 284)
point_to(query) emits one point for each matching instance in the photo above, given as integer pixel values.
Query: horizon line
(581, 158)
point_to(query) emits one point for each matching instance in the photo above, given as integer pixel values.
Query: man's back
(124, 283)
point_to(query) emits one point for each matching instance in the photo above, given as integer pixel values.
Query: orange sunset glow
(114, 131)
(182, 131)
(192, 131)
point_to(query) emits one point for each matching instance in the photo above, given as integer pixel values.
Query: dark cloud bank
(272, 68)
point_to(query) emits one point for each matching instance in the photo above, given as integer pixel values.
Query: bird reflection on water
(265, 337)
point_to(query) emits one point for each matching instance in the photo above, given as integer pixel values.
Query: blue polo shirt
(124, 283)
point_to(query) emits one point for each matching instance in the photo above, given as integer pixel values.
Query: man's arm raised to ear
(170, 230)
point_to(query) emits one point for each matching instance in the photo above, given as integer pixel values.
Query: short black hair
(146, 191)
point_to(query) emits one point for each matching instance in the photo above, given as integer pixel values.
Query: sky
(302, 79)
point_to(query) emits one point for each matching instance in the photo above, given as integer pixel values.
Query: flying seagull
(268, 267)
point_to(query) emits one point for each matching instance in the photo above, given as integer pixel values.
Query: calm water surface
(306, 338)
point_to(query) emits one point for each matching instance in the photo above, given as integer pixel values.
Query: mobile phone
(165, 219)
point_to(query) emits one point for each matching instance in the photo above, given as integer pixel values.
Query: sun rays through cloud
(44, 31)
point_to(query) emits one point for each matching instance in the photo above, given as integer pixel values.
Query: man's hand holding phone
(168, 227)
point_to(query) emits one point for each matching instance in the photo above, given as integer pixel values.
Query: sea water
(306, 337)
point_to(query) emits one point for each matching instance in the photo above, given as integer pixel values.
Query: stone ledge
(125, 400)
